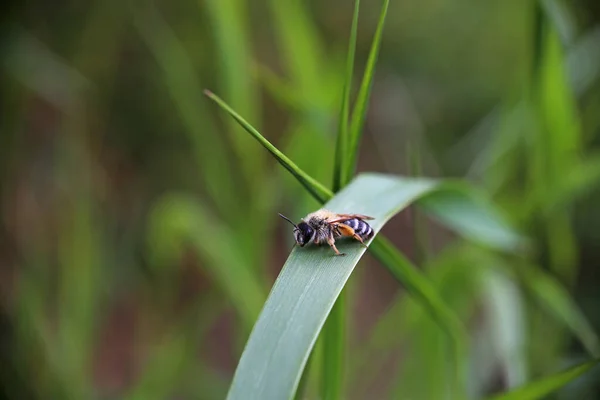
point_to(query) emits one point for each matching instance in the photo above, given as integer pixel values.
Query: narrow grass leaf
(232, 36)
(542, 388)
(340, 172)
(359, 112)
(315, 188)
(334, 349)
(556, 146)
(279, 88)
(300, 45)
(551, 295)
(183, 85)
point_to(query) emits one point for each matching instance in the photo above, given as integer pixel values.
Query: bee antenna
(287, 219)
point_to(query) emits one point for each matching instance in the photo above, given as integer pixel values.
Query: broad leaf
(313, 277)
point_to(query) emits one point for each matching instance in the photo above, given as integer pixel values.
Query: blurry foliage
(139, 236)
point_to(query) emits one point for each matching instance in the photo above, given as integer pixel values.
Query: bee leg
(331, 242)
(345, 230)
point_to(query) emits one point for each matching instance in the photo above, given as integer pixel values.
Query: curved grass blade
(311, 280)
(340, 172)
(359, 112)
(320, 192)
(545, 386)
(334, 339)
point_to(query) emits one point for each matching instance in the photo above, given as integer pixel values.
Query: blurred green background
(140, 236)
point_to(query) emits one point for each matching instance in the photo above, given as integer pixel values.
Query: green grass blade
(279, 88)
(311, 280)
(466, 210)
(340, 172)
(320, 192)
(545, 386)
(334, 349)
(359, 112)
(555, 298)
(232, 36)
(300, 46)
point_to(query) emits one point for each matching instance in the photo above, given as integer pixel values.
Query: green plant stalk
(80, 257)
(555, 144)
(234, 52)
(302, 50)
(340, 172)
(334, 337)
(181, 80)
(229, 20)
(334, 349)
(359, 112)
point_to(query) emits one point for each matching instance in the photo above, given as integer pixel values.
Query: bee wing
(347, 217)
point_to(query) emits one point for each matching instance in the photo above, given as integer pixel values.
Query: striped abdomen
(361, 228)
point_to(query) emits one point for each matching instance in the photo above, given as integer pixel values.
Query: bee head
(302, 232)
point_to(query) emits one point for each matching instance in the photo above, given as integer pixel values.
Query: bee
(325, 226)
